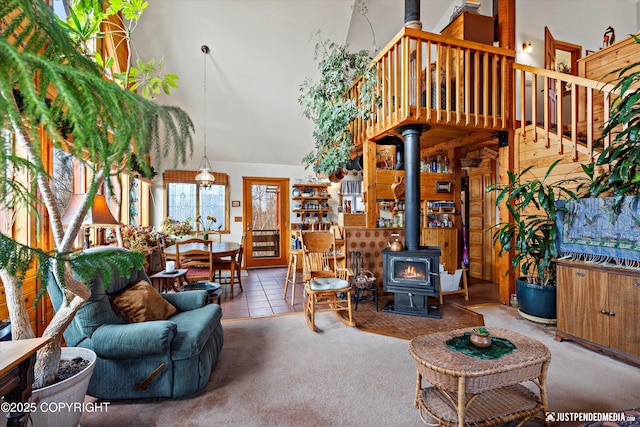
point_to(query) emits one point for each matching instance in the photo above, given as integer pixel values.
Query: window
(184, 199)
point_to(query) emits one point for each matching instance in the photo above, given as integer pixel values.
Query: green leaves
(131, 9)
(147, 79)
(622, 176)
(327, 104)
(18, 258)
(532, 231)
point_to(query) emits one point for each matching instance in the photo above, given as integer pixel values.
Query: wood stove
(413, 276)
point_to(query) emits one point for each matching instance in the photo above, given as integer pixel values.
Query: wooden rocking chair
(327, 286)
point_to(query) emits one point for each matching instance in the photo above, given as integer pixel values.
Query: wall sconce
(527, 47)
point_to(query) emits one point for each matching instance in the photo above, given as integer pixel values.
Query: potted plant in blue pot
(531, 233)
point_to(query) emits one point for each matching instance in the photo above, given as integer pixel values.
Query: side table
(16, 374)
(165, 280)
(466, 390)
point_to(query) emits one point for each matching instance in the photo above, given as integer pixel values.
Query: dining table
(195, 251)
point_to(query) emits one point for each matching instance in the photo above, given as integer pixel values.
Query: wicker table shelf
(465, 390)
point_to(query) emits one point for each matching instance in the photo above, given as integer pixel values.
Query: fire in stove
(413, 277)
(412, 273)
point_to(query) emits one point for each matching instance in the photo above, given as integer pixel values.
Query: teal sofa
(182, 349)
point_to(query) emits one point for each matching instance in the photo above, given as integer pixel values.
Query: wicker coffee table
(465, 390)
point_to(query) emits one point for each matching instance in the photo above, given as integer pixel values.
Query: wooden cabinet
(472, 27)
(447, 239)
(598, 307)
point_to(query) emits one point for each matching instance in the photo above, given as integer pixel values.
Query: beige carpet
(452, 316)
(275, 372)
(578, 379)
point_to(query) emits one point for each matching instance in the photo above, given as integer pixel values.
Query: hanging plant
(327, 104)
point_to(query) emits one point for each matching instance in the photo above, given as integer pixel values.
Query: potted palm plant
(51, 91)
(531, 235)
(621, 176)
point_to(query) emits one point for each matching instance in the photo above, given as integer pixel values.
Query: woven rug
(403, 326)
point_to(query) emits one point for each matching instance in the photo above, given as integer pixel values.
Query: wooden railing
(472, 76)
(570, 111)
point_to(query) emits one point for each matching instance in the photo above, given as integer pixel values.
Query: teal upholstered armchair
(160, 358)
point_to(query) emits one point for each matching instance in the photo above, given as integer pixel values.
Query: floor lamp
(97, 216)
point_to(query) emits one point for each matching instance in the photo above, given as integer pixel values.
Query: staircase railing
(562, 109)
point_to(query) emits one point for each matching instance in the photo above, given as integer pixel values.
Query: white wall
(580, 22)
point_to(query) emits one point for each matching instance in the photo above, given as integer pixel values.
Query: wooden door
(549, 50)
(481, 218)
(582, 294)
(266, 221)
(623, 302)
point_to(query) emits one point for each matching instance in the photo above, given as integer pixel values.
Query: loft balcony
(453, 85)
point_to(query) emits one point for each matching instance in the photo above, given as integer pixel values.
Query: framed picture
(443, 187)
(235, 203)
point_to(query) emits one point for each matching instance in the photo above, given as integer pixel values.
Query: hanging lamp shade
(204, 178)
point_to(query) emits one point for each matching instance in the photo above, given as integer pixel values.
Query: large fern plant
(50, 90)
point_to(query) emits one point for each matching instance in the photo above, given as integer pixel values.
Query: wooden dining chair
(327, 286)
(161, 245)
(226, 264)
(199, 268)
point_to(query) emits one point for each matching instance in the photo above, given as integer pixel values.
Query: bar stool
(291, 274)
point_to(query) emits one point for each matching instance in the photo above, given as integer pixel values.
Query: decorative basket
(365, 280)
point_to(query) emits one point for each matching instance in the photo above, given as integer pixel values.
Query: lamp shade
(98, 215)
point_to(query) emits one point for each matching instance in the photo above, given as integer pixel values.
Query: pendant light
(205, 179)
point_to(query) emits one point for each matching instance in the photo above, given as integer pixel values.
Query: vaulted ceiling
(260, 54)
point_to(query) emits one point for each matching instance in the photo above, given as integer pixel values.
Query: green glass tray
(498, 348)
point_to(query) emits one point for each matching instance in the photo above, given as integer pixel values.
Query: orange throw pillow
(141, 302)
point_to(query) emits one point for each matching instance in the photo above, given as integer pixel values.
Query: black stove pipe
(411, 135)
(411, 11)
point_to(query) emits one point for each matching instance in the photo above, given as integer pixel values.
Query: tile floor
(262, 295)
(264, 288)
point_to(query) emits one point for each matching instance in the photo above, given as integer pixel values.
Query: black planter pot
(536, 300)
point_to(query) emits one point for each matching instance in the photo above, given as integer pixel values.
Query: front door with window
(266, 221)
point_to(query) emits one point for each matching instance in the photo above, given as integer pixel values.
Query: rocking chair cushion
(328, 284)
